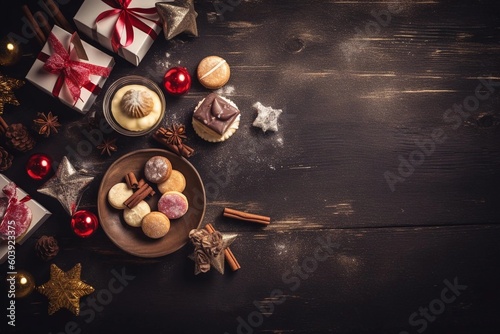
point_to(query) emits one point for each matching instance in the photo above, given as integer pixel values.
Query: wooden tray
(131, 239)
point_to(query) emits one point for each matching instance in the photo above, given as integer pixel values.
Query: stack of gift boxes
(73, 71)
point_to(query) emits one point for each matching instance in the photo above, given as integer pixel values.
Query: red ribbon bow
(74, 73)
(128, 18)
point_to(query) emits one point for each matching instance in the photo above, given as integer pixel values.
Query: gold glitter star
(64, 289)
(178, 16)
(6, 86)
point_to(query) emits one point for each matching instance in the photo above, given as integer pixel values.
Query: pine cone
(18, 137)
(46, 247)
(5, 159)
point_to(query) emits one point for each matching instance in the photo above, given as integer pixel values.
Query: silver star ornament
(177, 16)
(67, 186)
(267, 118)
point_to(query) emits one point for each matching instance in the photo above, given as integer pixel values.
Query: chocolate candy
(213, 72)
(216, 113)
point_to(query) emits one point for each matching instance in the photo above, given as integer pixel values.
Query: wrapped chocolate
(127, 27)
(59, 72)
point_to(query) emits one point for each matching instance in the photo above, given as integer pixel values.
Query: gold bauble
(10, 52)
(24, 283)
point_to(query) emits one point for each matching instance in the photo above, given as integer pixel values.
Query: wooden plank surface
(372, 282)
(363, 86)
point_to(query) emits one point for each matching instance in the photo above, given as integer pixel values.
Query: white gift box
(40, 215)
(102, 31)
(46, 80)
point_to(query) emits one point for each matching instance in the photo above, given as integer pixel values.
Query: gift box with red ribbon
(127, 27)
(58, 70)
(39, 215)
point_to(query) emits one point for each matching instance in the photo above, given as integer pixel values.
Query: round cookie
(173, 204)
(157, 169)
(175, 182)
(155, 225)
(213, 72)
(118, 194)
(133, 217)
(216, 118)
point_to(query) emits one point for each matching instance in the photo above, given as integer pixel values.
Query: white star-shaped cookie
(267, 118)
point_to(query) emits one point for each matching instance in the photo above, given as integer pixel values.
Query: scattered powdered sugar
(226, 91)
(279, 141)
(166, 63)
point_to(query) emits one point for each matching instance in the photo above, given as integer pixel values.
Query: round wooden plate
(132, 239)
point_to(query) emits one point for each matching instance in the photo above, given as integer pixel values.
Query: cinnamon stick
(131, 181)
(3, 125)
(44, 24)
(141, 183)
(61, 21)
(138, 196)
(228, 254)
(250, 217)
(179, 148)
(40, 36)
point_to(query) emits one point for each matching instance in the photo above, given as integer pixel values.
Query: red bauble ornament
(84, 223)
(38, 166)
(177, 81)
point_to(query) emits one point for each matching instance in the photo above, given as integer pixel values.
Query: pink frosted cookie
(173, 204)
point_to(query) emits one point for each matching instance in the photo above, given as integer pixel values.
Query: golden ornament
(10, 52)
(64, 289)
(23, 281)
(6, 86)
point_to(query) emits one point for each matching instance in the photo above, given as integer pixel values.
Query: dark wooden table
(382, 182)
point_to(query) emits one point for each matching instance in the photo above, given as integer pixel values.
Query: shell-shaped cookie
(137, 103)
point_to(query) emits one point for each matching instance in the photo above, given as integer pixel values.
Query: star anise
(107, 146)
(175, 134)
(46, 124)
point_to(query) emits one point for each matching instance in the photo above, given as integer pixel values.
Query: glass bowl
(131, 80)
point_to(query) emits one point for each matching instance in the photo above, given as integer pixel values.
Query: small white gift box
(55, 84)
(40, 215)
(129, 31)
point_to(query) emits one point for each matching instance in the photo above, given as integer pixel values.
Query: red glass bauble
(38, 166)
(177, 81)
(84, 223)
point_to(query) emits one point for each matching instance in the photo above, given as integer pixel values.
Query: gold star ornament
(6, 86)
(64, 289)
(178, 16)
